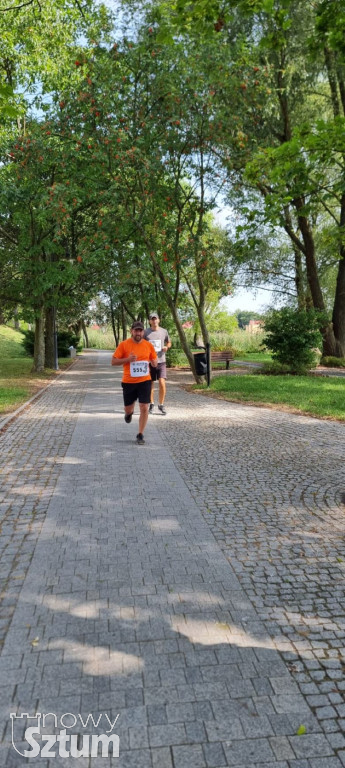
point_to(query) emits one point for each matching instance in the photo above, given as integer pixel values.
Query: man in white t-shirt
(159, 337)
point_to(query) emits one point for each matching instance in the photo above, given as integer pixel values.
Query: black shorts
(158, 372)
(139, 391)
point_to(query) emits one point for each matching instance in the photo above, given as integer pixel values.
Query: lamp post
(56, 359)
(208, 363)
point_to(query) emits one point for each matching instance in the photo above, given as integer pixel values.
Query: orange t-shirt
(134, 372)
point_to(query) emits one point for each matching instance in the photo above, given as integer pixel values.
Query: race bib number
(157, 343)
(139, 369)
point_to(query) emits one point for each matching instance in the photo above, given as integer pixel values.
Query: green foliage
(221, 341)
(333, 362)
(101, 339)
(243, 317)
(65, 340)
(175, 357)
(274, 368)
(293, 336)
(113, 190)
(247, 342)
(222, 322)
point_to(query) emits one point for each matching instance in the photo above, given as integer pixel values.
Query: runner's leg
(129, 398)
(162, 390)
(143, 416)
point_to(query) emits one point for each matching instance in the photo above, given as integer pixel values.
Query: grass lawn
(313, 395)
(17, 382)
(255, 357)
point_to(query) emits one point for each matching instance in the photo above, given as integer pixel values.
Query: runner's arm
(123, 360)
(153, 359)
(167, 344)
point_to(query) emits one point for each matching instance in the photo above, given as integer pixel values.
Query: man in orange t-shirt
(136, 354)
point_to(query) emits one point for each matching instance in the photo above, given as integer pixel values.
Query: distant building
(254, 326)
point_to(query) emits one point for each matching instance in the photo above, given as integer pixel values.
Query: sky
(247, 301)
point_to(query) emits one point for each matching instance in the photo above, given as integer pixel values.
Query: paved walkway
(194, 586)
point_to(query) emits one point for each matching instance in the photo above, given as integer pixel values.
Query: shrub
(273, 369)
(293, 336)
(175, 357)
(65, 340)
(333, 362)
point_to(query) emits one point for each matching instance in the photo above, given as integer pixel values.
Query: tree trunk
(85, 334)
(332, 79)
(177, 321)
(124, 323)
(335, 79)
(299, 282)
(50, 337)
(310, 260)
(308, 246)
(112, 318)
(329, 342)
(203, 326)
(339, 307)
(77, 328)
(338, 315)
(182, 337)
(16, 321)
(39, 343)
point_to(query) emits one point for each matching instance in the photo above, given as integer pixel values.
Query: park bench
(222, 357)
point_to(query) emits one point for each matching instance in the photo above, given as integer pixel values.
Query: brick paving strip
(190, 586)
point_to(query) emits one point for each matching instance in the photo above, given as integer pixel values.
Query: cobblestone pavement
(193, 586)
(271, 487)
(32, 451)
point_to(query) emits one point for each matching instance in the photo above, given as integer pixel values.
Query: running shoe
(161, 408)
(151, 407)
(140, 439)
(128, 418)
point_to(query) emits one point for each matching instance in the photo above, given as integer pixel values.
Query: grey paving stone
(314, 745)
(195, 732)
(282, 748)
(166, 735)
(213, 612)
(189, 757)
(329, 762)
(136, 759)
(214, 755)
(162, 758)
(242, 753)
(223, 729)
